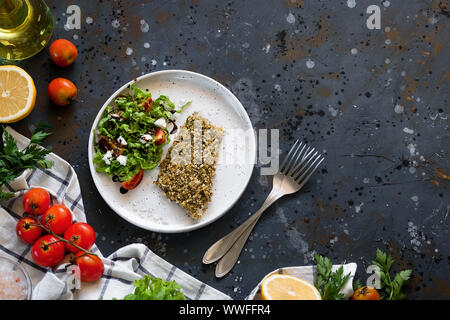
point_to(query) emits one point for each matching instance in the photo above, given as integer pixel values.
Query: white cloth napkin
(121, 268)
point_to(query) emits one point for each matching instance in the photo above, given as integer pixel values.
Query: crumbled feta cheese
(107, 157)
(145, 138)
(170, 127)
(161, 123)
(122, 160)
(122, 141)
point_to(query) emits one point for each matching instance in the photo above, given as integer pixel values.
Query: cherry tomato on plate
(28, 230)
(63, 52)
(134, 181)
(148, 104)
(36, 200)
(160, 136)
(47, 251)
(57, 218)
(91, 266)
(366, 293)
(62, 91)
(80, 234)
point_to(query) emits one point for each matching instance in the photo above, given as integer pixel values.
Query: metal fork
(296, 169)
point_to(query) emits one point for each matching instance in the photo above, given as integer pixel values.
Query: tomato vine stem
(49, 230)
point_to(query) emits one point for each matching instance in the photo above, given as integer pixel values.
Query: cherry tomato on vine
(366, 293)
(63, 52)
(91, 266)
(47, 251)
(57, 218)
(28, 230)
(36, 200)
(62, 91)
(81, 234)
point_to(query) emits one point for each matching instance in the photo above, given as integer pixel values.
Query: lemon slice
(17, 94)
(287, 287)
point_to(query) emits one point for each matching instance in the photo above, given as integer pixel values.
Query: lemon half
(17, 94)
(287, 287)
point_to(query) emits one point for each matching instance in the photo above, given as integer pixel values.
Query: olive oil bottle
(25, 28)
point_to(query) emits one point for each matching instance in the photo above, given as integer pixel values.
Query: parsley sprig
(13, 162)
(150, 288)
(393, 287)
(328, 282)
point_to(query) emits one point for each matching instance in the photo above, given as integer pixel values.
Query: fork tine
(285, 165)
(295, 170)
(300, 156)
(308, 165)
(302, 183)
(285, 159)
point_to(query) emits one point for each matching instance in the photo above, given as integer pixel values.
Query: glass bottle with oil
(25, 28)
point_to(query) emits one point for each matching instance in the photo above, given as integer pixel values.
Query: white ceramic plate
(146, 206)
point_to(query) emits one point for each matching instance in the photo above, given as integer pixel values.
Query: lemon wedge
(17, 94)
(287, 287)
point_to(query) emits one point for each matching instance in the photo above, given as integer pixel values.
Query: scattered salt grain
(399, 109)
(351, 3)
(129, 51)
(144, 26)
(310, 64)
(115, 23)
(290, 18)
(408, 131)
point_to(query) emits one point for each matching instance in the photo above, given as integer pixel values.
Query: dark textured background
(382, 186)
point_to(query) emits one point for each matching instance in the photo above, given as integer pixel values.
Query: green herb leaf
(392, 288)
(150, 288)
(329, 283)
(14, 162)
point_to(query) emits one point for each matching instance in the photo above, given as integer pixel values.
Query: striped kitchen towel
(121, 268)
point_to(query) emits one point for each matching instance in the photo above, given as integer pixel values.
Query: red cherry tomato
(81, 234)
(47, 251)
(91, 266)
(62, 91)
(134, 181)
(36, 201)
(160, 136)
(148, 104)
(57, 218)
(63, 52)
(28, 230)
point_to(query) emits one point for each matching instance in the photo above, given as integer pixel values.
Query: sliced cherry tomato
(36, 201)
(62, 91)
(57, 218)
(91, 266)
(63, 52)
(81, 234)
(366, 293)
(48, 251)
(28, 230)
(160, 136)
(134, 181)
(148, 104)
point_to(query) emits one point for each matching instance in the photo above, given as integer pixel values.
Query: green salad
(131, 134)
